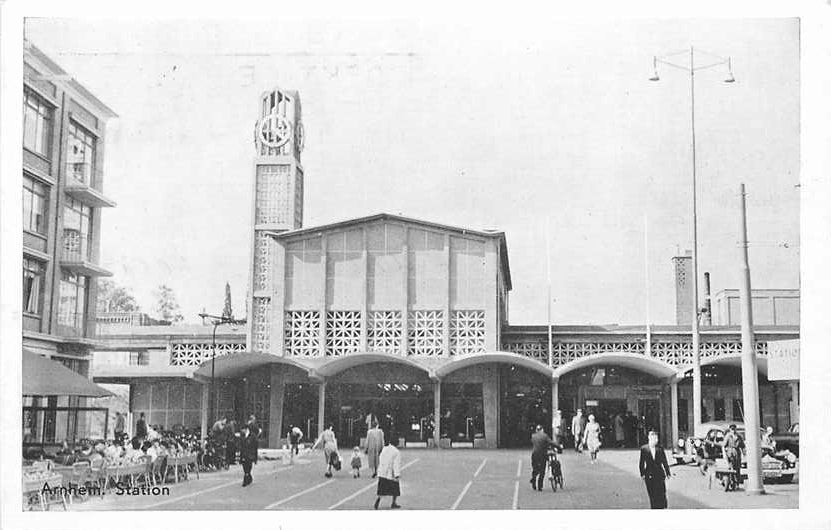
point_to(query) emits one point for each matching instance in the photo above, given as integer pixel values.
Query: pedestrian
(230, 436)
(768, 444)
(389, 473)
(141, 427)
(620, 433)
(578, 424)
(541, 442)
(330, 450)
(732, 446)
(295, 435)
(356, 462)
(247, 454)
(591, 437)
(654, 470)
(119, 429)
(254, 426)
(374, 445)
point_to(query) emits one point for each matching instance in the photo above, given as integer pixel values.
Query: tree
(167, 308)
(113, 298)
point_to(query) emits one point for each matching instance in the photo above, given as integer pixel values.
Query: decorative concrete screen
(274, 196)
(302, 333)
(260, 331)
(384, 331)
(184, 354)
(343, 332)
(467, 332)
(425, 333)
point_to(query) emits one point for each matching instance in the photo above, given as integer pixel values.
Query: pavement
(457, 479)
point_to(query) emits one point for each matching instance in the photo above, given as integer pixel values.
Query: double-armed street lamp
(217, 321)
(692, 68)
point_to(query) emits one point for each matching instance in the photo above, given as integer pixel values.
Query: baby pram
(555, 468)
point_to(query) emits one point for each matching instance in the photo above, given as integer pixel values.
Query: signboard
(592, 403)
(783, 360)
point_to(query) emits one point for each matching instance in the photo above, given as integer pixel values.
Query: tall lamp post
(716, 60)
(217, 321)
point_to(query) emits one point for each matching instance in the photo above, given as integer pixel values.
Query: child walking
(356, 462)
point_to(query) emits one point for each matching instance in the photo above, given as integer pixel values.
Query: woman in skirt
(592, 437)
(389, 472)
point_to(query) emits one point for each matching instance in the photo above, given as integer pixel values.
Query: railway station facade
(407, 321)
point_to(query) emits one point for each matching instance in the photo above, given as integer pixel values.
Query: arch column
(673, 388)
(321, 405)
(555, 405)
(437, 411)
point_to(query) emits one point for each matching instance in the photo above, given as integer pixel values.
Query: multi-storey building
(407, 321)
(63, 153)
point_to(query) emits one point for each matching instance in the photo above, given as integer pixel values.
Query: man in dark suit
(654, 471)
(541, 442)
(247, 453)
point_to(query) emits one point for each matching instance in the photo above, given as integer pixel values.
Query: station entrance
(399, 398)
(627, 403)
(525, 402)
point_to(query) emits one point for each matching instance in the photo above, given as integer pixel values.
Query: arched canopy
(493, 357)
(637, 361)
(339, 364)
(734, 360)
(236, 364)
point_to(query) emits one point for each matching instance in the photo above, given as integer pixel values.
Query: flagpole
(548, 275)
(646, 280)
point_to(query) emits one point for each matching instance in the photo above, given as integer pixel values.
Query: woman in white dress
(591, 437)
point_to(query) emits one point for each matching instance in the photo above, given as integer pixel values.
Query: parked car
(705, 447)
(788, 440)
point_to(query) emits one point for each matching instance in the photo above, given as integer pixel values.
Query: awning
(42, 377)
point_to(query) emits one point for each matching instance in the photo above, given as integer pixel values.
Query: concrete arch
(236, 364)
(457, 363)
(734, 360)
(339, 364)
(649, 365)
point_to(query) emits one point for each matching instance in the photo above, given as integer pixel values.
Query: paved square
(449, 479)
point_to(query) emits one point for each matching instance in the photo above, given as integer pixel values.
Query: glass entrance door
(649, 417)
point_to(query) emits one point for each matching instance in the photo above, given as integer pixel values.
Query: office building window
(718, 409)
(77, 233)
(33, 272)
(35, 201)
(37, 123)
(139, 358)
(683, 416)
(73, 300)
(81, 156)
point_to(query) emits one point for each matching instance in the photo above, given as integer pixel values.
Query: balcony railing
(76, 245)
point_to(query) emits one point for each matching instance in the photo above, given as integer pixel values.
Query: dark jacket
(141, 428)
(248, 448)
(541, 442)
(653, 468)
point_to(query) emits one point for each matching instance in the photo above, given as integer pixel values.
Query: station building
(407, 321)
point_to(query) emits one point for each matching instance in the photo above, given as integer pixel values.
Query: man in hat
(732, 446)
(654, 470)
(578, 425)
(247, 453)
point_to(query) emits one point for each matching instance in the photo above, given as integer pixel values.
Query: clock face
(274, 130)
(299, 136)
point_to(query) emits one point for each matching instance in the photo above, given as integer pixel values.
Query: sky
(549, 131)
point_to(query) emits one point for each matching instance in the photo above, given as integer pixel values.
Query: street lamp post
(216, 321)
(696, 338)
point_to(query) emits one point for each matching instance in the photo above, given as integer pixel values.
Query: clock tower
(277, 200)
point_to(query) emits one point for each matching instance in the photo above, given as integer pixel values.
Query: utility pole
(750, 377)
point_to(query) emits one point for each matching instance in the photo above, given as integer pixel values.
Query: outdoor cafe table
(183, 461)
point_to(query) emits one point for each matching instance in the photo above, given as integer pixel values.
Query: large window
(32, 286)
(73, 301)
(37, 123)
(35, 200)
(81, 159)
(77, 220)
